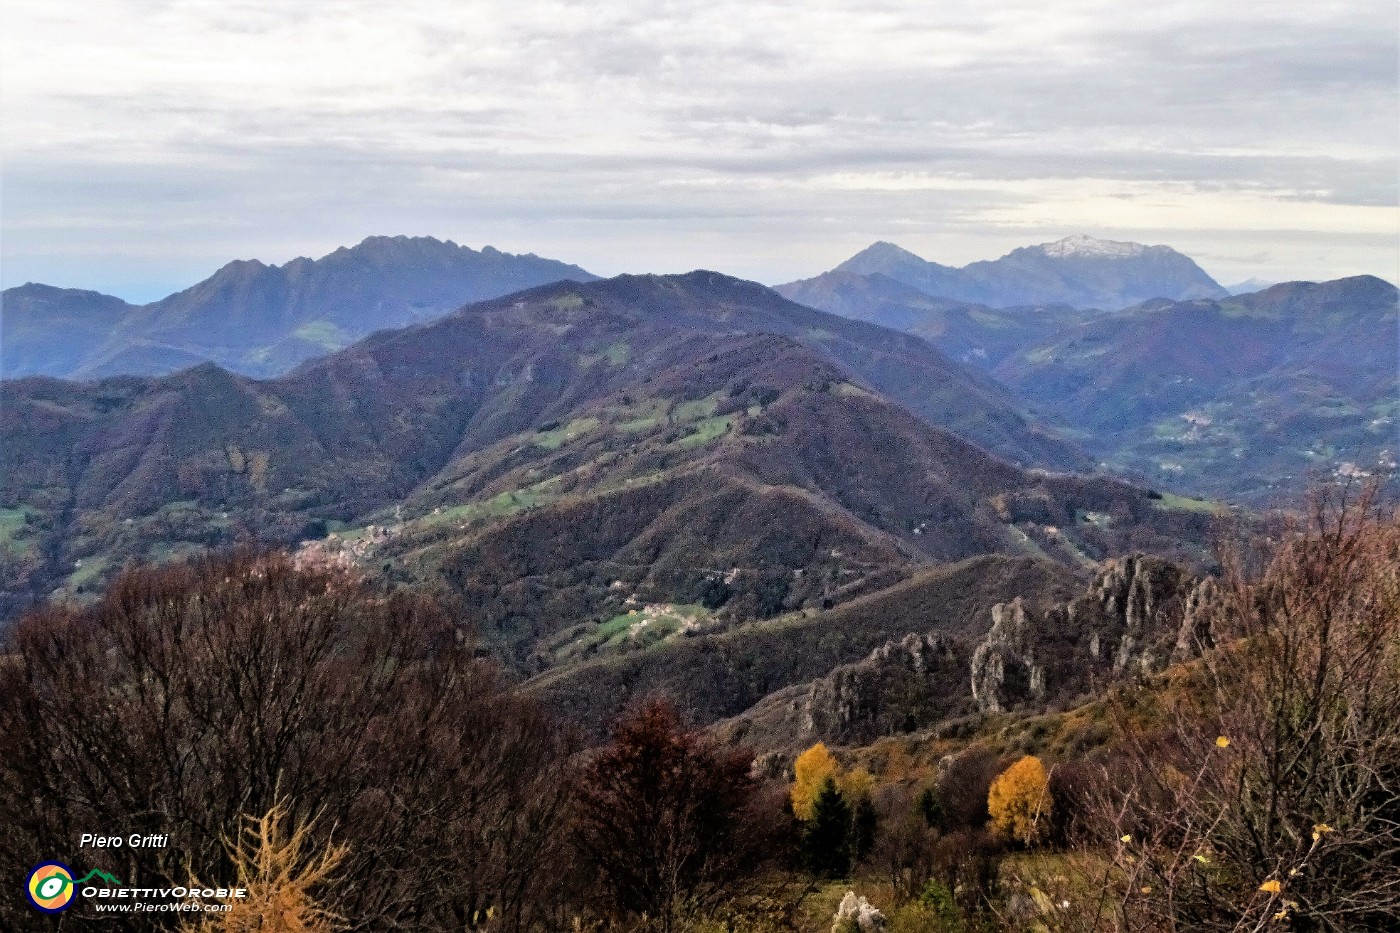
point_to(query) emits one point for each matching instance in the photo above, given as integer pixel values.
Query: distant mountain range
(863, 509)
(1248, 396)
(258, 319)
(1248, 286)
(1078, 271)
(685, 483)
(692, 439)
(1242, 397)
(972, 333)
(1033, 308)
(262, 320)
(54, 331)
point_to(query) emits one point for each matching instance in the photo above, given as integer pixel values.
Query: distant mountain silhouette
(648, 429)
(1248, 397)
(258, 319)
(1249, 286)
(1078, 271)
(49, 331)
(971, 333)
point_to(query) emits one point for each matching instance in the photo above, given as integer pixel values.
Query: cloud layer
(147, 141)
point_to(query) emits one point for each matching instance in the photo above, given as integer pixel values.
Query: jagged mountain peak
(239, 268)
(886, 248)
(261, 319)
(401, 244)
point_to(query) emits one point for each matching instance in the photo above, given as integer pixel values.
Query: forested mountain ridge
(1247, 397)
(628, 387)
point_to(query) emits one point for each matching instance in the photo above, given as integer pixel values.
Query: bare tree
(905, 848)
(669, 822)
(1275, 794)
(191, 696)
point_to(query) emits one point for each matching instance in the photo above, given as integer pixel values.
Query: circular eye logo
(50, 887)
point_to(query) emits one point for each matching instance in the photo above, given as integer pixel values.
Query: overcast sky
(147, 142)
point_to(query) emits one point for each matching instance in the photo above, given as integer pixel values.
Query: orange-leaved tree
(810, 772)
(1019, 801)
(283, 873)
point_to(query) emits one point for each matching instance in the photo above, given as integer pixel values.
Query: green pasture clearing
(556, 438)
(1171, 502)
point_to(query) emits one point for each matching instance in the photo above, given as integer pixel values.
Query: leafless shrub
(1275, 795)
(906, 846)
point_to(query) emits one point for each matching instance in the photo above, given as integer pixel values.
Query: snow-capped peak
(1081, 245)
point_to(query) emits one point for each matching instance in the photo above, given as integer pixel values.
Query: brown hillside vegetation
(821, 495)
(1030, 654)
(1253, 787)
(549, 393)
(711, 677)
(396, 782)
(1274, 795)
(193, 697)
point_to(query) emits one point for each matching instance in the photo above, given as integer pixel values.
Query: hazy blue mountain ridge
(260, 319)
(1079, 271)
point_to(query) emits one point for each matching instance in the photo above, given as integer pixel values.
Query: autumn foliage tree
(668, 822)
(1019, 801)
(284, 874)
(811, 771)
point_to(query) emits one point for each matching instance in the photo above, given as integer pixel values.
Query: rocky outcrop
(1194, 634)
(1138, 615)
(900, 687)
(1005, 668)
(857, 915)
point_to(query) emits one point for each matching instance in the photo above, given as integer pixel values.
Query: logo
(51, 885)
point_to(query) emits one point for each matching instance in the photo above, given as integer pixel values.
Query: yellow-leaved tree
(1019, 801)
(810, 771)
(855, 784)
(283, 871)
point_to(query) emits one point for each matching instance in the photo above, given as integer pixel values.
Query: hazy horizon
(148, 142)
(155, 296)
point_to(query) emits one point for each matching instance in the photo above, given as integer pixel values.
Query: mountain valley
(1246, 398)
(692, 484)
(675, 402)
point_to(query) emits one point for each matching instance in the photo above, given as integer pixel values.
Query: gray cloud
(148, 140)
